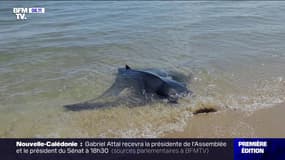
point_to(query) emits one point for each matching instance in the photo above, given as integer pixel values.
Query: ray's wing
(116, 88)
(126, 91)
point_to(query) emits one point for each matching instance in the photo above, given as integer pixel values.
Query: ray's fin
(127, 67)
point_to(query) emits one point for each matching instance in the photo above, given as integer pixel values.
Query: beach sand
(265, 122)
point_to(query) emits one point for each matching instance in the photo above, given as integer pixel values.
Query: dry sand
(266, 122)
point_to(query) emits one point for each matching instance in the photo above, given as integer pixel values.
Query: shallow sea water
(233, 50)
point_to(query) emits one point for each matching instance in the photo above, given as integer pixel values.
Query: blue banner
(259, 149)
(127, 148)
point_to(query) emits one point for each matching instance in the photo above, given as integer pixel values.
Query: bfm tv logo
(21, 12)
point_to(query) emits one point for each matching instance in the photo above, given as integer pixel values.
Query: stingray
(138, 87)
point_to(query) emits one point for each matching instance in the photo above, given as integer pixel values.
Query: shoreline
(265, 122)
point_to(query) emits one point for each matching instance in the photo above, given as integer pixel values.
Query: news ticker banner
(205, 149)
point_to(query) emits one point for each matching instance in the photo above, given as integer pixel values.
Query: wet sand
(266, 122)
